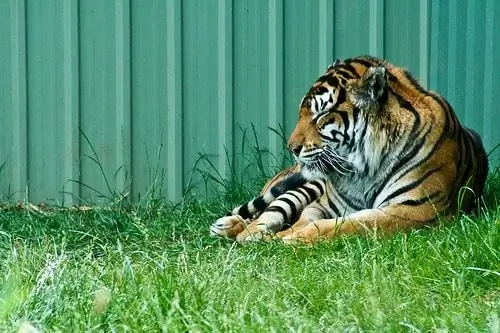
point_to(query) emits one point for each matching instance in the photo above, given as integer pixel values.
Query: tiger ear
(366, 92)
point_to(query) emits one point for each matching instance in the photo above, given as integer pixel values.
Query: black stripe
(341, 98)
(349, 68)
(332, 81)
(320, 90)
(319, 186)
(312, 194)
(414, 82)
(332, 205)
(384, 97)
(326, 137)
(407, 105)
(417, 202)
(316, 105)
(346, 73)
(355, 115)
(291, 182)
(453, 116)
(363, 132)
(293, 208)
(323, 78)
(363, 62)
(260, 204)
(243, 212)
(450, 114)
(460, 151)
(277, 209)
(302, 191)
(335, 132)
(410, 186)
(276, 191)
(295, 194)
(469, 153)
(464, 162)
(345, 120)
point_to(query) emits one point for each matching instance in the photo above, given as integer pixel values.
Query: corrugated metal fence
(151, 84)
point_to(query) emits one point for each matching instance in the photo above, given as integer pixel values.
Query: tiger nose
(295, 149)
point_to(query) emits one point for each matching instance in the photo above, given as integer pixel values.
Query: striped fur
(282, 199)
(380, 152)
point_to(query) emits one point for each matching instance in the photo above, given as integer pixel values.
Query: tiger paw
(254, 232)
(297, 238)
(308, 234)
(228, 226)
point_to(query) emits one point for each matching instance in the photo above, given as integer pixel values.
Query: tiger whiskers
(332, 160)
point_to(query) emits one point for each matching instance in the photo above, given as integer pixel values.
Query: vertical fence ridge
(470, 59)
(326, 25)
(71, 101)
(174, 100)
(423, 71)
(123, 102)
(452, 48)
(377, 26)
(276, 108)
(19, 100)
(225, 89)
(434, 29)
(489, 72)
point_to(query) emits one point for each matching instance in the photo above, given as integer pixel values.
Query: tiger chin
(376, 154)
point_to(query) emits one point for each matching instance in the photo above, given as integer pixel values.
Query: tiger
(376, 153)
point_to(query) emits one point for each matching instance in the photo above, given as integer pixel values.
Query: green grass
(154, 268)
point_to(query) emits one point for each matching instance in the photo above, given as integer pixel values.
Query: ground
(153, 267)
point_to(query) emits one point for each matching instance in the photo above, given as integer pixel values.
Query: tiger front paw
(228, 226)
(255, 232)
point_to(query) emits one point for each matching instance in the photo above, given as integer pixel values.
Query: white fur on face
(324, 102)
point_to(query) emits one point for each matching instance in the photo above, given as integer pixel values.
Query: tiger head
(336, 116)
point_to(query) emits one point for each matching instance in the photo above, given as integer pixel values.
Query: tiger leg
(381, 221)
(311, 213)
(283, 211)
(235, 221)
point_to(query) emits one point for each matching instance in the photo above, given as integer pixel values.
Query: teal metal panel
(200, 89)
(225, 83)
(150, 138)
(353, 27)
(251, 86)
(105, 96)
(402, 33)
(51, 109)
(491, 112)
(13, 100)
(175, 167)
(153, 84)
